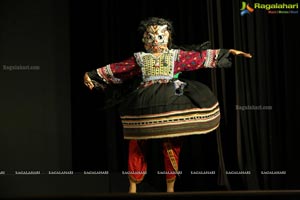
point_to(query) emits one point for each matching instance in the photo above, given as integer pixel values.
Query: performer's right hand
(87, 81)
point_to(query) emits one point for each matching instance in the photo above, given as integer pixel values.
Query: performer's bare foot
(132, 187)
(170, 186)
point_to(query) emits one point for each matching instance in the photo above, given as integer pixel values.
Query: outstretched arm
(210, 58)
(239, 53)
(114, 73)
(193, 60)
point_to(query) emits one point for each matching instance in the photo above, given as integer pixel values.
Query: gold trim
(171, 135)
(165, 121)
(171, 156)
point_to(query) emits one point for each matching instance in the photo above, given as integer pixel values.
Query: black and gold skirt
(161, 110)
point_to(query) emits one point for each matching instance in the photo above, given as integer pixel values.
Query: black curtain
(259, 100)
(265, 136)
(256, 95)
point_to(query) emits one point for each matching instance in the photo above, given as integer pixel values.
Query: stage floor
(211, 195)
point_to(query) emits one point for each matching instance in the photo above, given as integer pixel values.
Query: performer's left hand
(240, 53)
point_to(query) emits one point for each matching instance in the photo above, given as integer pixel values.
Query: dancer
(162, 106)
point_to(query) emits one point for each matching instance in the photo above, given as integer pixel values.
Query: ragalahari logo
(246, 8)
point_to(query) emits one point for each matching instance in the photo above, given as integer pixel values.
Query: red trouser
(137, 164)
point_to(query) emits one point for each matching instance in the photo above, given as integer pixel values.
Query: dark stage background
(51, 122)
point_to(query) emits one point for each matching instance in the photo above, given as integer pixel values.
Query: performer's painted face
(156, 38)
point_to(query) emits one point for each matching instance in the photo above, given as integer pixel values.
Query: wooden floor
(215, 195)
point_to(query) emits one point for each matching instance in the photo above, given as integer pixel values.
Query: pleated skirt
(159, 111)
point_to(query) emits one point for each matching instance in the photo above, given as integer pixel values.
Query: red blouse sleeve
(116, 73)
(192, 60)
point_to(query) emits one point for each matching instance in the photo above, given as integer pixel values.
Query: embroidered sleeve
(193, 60)
(117, 73)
